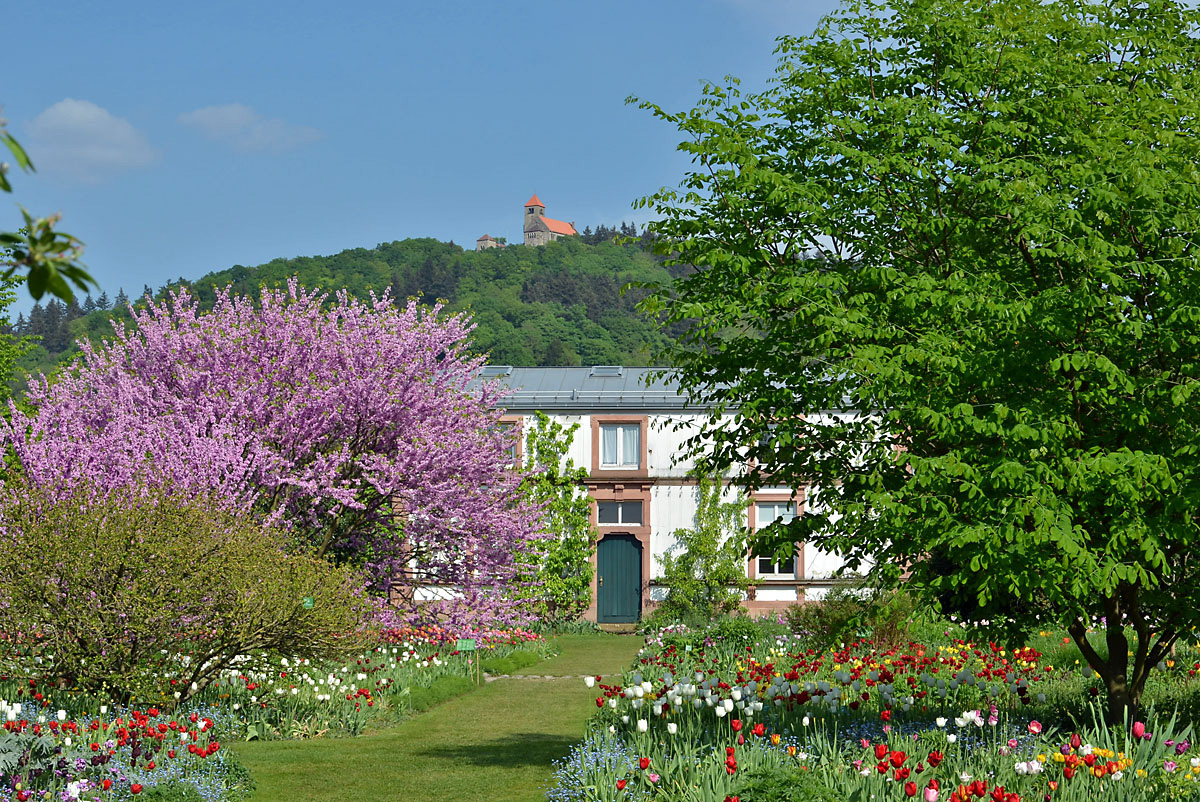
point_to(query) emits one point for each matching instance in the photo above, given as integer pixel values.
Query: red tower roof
(535, 201)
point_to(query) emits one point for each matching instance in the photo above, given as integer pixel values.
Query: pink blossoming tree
(359, 427)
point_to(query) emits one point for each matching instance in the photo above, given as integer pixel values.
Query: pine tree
(102, 302)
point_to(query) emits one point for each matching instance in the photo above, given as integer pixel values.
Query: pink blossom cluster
(359, 426)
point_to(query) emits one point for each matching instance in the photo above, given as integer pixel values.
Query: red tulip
(910, 789)
(136, 788)
(881, 751)
(621, 785)
(643, 763)
(736, 724)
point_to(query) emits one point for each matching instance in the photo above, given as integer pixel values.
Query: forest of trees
(560, 304)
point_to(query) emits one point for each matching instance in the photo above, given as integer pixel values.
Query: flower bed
(62, 745)
(711, 716)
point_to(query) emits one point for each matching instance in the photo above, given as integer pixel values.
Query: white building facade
(631, 436)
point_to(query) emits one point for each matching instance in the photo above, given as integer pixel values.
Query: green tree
(47, 258)
(553, 482)
(974, 223)
(706, 575)
(12, 346)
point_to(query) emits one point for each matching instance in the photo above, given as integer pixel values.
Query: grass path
(495, 743)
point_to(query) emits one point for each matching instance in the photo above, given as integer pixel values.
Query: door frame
(620, 491)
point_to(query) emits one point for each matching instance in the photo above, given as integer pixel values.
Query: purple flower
(1169, 766)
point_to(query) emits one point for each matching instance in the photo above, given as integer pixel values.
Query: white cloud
(81, 140)
(244, 129)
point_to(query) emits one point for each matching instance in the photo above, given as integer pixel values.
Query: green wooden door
(619, 572)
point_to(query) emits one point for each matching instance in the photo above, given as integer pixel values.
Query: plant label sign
(307, 602)
(465, 645)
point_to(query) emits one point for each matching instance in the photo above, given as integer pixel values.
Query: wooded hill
(558, 304)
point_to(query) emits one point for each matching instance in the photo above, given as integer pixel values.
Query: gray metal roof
(589, 389)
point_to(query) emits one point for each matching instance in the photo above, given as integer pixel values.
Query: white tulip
(720, 711)
(589, 681)
(672, 728)
(642, 725)
(951, 738)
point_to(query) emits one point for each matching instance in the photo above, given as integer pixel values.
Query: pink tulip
(1035, 727)
(1139, 729)
(931, 794)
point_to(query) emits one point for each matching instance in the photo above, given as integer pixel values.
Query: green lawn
(587, 654)
(495, 743)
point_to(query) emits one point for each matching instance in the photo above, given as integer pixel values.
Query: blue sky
(179, 138)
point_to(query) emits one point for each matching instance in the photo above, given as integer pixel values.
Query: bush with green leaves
(148, 596)
(706, 573)
(852, 611)
(562, 590)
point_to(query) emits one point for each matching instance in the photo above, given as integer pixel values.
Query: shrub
(706, 576)
(849, 611)
(148, 595)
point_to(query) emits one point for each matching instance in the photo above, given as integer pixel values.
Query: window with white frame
(765, 514)
(620, 445)
(616, 513)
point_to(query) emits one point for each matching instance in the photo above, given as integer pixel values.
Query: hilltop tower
(534, 208)
(540, 229)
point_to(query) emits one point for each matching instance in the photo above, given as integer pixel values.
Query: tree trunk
(1123, 703)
